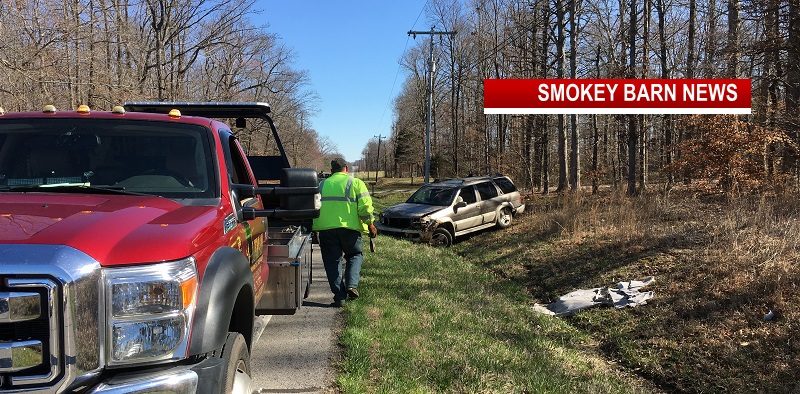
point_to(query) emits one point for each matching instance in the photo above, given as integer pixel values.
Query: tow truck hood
(113, 229)
(411, 210)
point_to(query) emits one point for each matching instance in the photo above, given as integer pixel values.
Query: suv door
(489, 201)
(470, 215)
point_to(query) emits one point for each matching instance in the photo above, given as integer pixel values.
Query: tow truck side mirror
(297, 198)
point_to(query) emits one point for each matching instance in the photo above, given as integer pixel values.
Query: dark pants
(333, 244)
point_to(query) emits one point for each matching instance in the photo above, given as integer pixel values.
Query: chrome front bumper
(207, 376)
(179, 382)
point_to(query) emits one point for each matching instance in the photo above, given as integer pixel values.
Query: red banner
(616, 96)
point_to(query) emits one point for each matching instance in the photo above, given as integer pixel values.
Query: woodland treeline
(757, 39)
(105, 52)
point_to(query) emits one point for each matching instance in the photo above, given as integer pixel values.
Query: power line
(400, 65)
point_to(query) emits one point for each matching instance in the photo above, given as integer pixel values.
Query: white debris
(622, 295)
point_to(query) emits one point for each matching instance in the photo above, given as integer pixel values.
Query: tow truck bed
(289, 254)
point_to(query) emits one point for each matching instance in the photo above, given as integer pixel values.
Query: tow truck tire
(237, 363)
(441, 237)
(504, 218)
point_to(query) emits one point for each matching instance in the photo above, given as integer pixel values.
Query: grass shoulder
(430, 321)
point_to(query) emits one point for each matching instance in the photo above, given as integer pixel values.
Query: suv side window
(468, 194)
(505, 185)
(486, 190)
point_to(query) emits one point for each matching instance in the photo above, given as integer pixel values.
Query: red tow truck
(138, 245)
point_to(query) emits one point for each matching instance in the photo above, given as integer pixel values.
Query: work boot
(352, 293)
(337, 303)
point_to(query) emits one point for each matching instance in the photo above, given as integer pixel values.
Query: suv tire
(441, 237)
(237, 364)
(504, 218)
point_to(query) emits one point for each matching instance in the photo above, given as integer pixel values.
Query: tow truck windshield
(433, 195)
(97, 156)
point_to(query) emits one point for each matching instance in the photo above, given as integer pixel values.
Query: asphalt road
(295, 353)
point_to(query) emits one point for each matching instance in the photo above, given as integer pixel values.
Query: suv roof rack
(440, 180)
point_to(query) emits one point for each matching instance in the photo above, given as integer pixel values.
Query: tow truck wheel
(504, 218)
(237, 360)
(441, 238)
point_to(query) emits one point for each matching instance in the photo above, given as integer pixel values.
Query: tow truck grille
(30, 352)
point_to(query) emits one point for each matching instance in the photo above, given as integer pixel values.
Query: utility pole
(431, 69)
(366, 164)
(378, 159)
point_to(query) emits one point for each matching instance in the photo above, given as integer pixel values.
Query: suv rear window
(486, 190)
(505, 185)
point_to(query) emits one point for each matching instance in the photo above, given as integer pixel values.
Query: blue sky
(351, 50)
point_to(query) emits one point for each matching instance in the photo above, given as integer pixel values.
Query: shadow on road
(314, 304)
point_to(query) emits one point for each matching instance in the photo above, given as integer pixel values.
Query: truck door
(469, 216)
(249, 236)
(489, 201)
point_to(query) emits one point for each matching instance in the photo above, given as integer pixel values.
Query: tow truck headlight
(150, 310)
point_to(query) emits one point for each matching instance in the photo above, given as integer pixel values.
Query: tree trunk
(666, 120)
(733, 38)
(793, 79)
(574, 154)
(632, 131)
(709, 67)
(595, 133)
(773, 72)
(562, 133)
(690, 65)
(544, 119)
(644, 130)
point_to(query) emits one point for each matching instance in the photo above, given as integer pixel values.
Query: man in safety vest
(346, 213)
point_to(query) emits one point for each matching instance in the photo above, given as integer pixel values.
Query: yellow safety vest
(345, 204)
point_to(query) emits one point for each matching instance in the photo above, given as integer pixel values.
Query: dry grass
(720, 265)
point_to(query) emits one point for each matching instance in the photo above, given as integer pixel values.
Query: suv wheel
(237, 361)
(504, 218)
(441, 238)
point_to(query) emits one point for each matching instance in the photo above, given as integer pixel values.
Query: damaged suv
(439, 212)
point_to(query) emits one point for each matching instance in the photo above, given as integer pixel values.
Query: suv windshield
(433, 195)
(166, 159)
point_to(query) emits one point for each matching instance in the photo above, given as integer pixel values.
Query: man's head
(338, 165)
